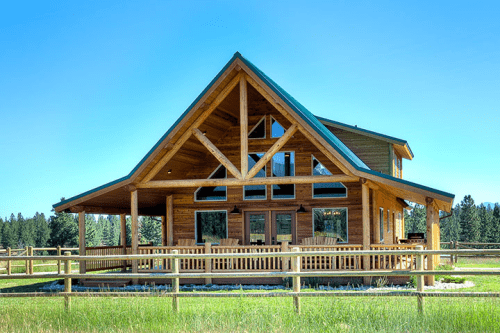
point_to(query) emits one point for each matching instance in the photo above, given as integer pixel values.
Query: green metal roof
(301, 111)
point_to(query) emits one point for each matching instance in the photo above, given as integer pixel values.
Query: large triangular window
(213, 193)
(326, 190)
(255, 192)
(259, 130)
(277, 130)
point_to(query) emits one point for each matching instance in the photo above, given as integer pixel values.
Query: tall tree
(64, 230)
(415, 221)
(469, 221)
(42, 236)
(450, 226)
(151, 230)
(486, 223)
(8, 237)
(91, 234)
(496, 224)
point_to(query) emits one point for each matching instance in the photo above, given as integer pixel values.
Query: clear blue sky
(87, 88)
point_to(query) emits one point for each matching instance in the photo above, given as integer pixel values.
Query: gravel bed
(55, 286)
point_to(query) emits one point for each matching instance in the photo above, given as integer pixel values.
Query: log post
(31, 260)
(432, 237)
(285, 260)
(81, 235)
(134, 212)
(208, 262)
(27, 263)
(420, 279)
(456, 255)
(244, 126)
(67, 281)
(123, 239)
(175, 281)
(59, 261)
(170, 220)
(9, 262)
(296, 279)
(365, 199)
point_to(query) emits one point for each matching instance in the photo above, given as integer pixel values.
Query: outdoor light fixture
(235, 210)
(204, 133)
(169, 171)
(301, 209)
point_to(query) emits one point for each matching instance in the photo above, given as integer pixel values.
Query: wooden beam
(433, 241)
(315, 139)
(170, 220)
(134, 212)
(217, 153)
(164, 160)
(244, 126)
(365, 203)
(81, 235)
(376, 217)
(273, 150)
(252, 181)
(164, 230)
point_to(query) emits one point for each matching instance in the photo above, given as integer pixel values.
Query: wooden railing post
(456, 255)
(208, 262)
(175, 282)
(285, 266)
(31, 260)
(9, 262)
(296, 279)
(59, 261)
(420, 279)
(67, 281)
(451, 255)
(27, 261)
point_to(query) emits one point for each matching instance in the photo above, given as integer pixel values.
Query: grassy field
(329, 314)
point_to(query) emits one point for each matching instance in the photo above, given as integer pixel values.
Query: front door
(270, 227)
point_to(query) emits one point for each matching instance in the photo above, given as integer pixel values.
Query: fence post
(31, 260)
(456, 255)
(67, 281)
(296, 279)
(420, 279)
(59, 261)
(285, 260)
(451, 254)
(27, 261)
(9, 262)
(208, 262)
(175, 281)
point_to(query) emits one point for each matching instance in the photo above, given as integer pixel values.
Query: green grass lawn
(329, 314)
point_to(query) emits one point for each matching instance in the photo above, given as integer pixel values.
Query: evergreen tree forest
(62, 229)
(467, 223)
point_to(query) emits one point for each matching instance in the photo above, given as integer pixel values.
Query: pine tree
(469, 221)
(496, 224)
(63, 230)
(42, 236)
(151, 230)
(486, 219)
(1, 230)
(114, 230)
(14, 228)
(450, 226)
(91, 235)
(8, 237)
(416, 221)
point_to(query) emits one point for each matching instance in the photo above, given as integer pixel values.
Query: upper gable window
(213, 193)
(259, 130)
(283, 165)
(255, 192)
(277, 130)
(326, 190)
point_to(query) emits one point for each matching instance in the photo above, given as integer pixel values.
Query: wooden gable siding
(388, 202)
(375, 153)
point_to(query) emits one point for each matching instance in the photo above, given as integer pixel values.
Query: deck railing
(100, 265)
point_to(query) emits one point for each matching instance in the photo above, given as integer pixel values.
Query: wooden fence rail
(29, 251)
(296, 274)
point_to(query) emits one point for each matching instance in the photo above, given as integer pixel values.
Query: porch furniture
(186, 242)
(229, 242)
(319, 240)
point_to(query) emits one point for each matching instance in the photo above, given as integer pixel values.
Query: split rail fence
(456, 245)
(295, 257)
(29, 251)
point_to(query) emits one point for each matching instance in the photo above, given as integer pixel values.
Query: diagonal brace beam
(273, 150)
(217, 153)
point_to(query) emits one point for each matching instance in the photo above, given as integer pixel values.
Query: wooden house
(247, 167)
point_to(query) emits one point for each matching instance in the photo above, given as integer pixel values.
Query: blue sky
(87, 88)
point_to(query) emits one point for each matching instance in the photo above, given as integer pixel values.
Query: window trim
(346, 216)
(263, 119)
(312, 185)
(388, 220)
(265, 186)
(272, 190)
(208, 211)
(209, 177)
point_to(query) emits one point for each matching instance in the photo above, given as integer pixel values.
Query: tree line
(467, 223)
(62, 229)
